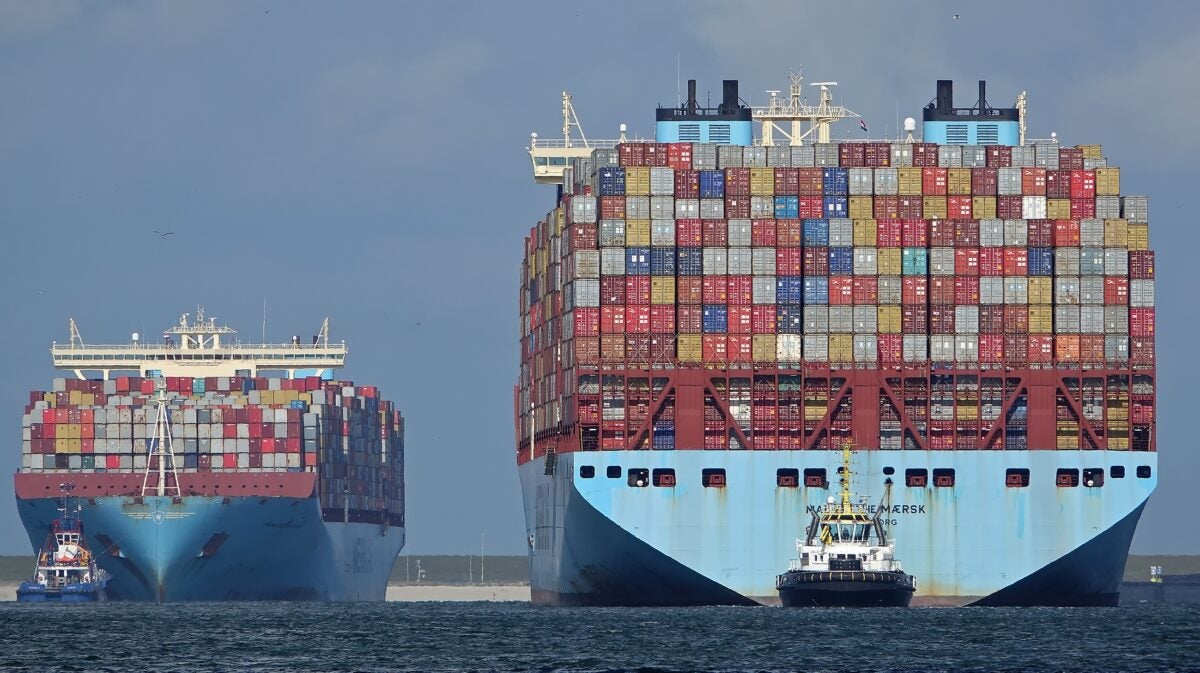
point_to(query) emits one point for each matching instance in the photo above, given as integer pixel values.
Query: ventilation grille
(717, 133)
(988, 134)
(689, 133)
(956, 134)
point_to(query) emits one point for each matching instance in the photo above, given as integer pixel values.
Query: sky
(366, 161)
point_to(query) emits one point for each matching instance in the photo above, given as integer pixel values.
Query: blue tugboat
(66, 570)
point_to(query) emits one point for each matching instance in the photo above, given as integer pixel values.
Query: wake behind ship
(708, 317)
(200, 478)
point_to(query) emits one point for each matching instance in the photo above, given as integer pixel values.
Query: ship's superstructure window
(1067, 477)
(916, 477)
(814, 477)
(587, 471)
(1016, 477)
(613, 472)
(713, 477)
(943, 477)
(787, 477)
(664, 476)
(1093, 477)
(1143, 471)
(1117, 471)
(639, 477)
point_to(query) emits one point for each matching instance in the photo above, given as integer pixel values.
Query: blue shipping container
(612, 181)
(716, 319)
(816, 290)
(816, 233)
(841, 261)
(1041, 261)
(789, 290)
(789, 319)
(637, 261)
(712, 184)
(662, 261)
(787, 207)
(689, 261)
(836, 182)
(915, 261)
(836, 206)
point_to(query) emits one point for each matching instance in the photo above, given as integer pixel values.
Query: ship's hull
(600, 541)
(201, 548)
(845, 589)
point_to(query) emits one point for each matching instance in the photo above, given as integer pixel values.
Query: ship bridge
(551, 157)
(200, 348)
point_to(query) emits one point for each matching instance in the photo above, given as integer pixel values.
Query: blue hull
(91, 592)
(217, 549)
(600, 541)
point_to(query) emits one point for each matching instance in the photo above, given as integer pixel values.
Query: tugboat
(66, 570)
(847, 559)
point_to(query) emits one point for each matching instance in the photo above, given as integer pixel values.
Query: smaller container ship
(847, 559)
(66, 570)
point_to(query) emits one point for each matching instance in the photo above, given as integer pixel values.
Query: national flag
(862, 124)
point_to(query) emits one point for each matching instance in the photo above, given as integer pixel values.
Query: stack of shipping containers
(888, 295)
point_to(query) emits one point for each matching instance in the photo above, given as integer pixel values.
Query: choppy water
(517, 637)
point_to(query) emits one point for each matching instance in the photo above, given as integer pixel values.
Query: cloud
(23, 17)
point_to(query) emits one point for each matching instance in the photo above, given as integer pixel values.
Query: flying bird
(164, 234)
(956, 16)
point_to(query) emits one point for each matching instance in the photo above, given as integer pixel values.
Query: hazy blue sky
(365, 161)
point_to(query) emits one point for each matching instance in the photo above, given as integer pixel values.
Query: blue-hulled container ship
(199, 477)
(708, 318)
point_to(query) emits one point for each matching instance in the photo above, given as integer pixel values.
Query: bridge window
(943, 477)
(539, 161)
(664, 476)
(787, 477)
(639, 477)
(713, 477)
(916, 477)
(1016, 477)
(1066, 477)
(587, 471)
(1117, 471)
(1093, 477)
(814, 477)
(1143, 472)
(613, 472)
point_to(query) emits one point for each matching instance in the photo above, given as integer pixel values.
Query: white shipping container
(841, 319)
(1116, 262)
(1116, 320)
(991, 290)
(1016, 233)
(762, 207)
(1091, 290)
(862, 181)
(583, 209)
(1016, 290)
(1022, 156)
(887, 181)
(803, 156)
(1066, 261)
(1108, 207)
(941, 261)
(841, 232)
(866, 348)
(662, 233)
(865, 262)
(966, 319)
(816, 347)
(1066, 290)
(901, 155)
(866, 318)
(662, 181)
(825, 154)
(754, 156)
(612, 232)
(1009, 181)
(941, 347)
(763, 262)
(1066, 319)
(991, 233)
(790, 347)
(974, 156)
(587, 264)
(763, 288)
(612, 262)
(704, 156)
(816, 319)
(662, 207)
(728, 156)
(779, 156)
(1091, 261)
(739, 261)
(690, 209)
(1091, 319)
(738, 233)
(587, 292)
(966, 348)
(1141, 293)
(1045, 155)
(890, 289)
(950, 156)
(716, 261)
(1116, 347)
(1033, 207)
(1091, 232)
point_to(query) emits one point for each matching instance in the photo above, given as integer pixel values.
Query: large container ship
(200, 477)
(708, 318)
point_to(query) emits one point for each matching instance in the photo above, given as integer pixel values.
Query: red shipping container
(911, 207)
(941, 290)
(966, 289)
(662, 348)
(811, 207)
(1016, 261)
(941, 318)
(637, 348)
(587, 351)
(841, 290)
(811, 181)
(966, 263)
(637, 319)
(1016, 319)
(87, 445)
(1041, 348)
(737, 182)
(762, 233)
(637, 290)
(612, 319)
(852, 155)
(1082, 209)
(891, 349)
(679, 156)
(1083, 184)
(737, 206)
(789, 233)
(966, 233)
(1010, 207)
(689, 290)
(999, 156)
(1141, 264)
(716, 233)
(787, 182)
(1016, 348)
(887, 207)
(690, 319)
(656, 154)
(763, 319)
(716, 289)
(1058, 184)
(866, 290)
(934, 181)
(1141, 322)
(612, 292)
(714, 348)
(687, 183)
(1116, 291)
(254, 415)
(632, 154)
(1040, 233)
(741, 290)
(984, 182)
(914, 290)
(877, 155)
(924, 154)
(612, 207)
(991, 261)
(689, 233)
(941, 233)
(790, 261)
(958, 207)
(1141, 350)
(740, 348)
(991, 348)
(739, 320)
(1091, 348)
(1033, 181)
(889, 233)
(113, 462)
(914, 233)
(1066, 233)
(816, 262)
(914, 319)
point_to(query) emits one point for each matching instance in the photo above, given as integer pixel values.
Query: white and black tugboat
(846, 560)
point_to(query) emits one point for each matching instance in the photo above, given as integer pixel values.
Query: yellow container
(983, 207)
(1041, 318)
(1058, 209)
(48, 398)
(662, 289)
(1090, 151)
(958, 182)
(888, 261)
(864, 233)
(910, 181)
(74, 431)
(637, 180)
(862, 208)
(763, 346)
(889, 319)
(73, 397)
(559, 220)
(934, 207)
(815, 408)
(1139, 236)
(1108, 181)
(841, 348)
(966, 411)
(1041, 290)
(762, 181)
(637, 233)
(688, 348)
(74, 445)
(1116, 234)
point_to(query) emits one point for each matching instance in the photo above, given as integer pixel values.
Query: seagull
(164, 234)
(956, 16)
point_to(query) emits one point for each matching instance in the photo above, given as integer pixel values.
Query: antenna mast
(76, 340)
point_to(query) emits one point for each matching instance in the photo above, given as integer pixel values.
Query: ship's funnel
(978, 125)
(729, 123)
